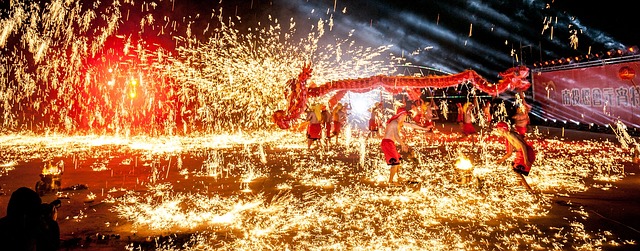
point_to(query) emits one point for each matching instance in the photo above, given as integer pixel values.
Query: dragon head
(297, 97)
(516, 78)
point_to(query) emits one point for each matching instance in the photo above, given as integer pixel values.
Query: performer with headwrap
(525, 155)
(314, 129)
(339, 119)
(374, 121)
(425, 115)
(521, 118)
(391, 136)
(486, 110)
(467, 122)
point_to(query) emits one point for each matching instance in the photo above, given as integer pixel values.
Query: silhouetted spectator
(22, 226)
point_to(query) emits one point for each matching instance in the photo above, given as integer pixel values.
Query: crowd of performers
(420, 115)
(319, 117)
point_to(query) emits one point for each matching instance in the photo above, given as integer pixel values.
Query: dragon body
(297, 91)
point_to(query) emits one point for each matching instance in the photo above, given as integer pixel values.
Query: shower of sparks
(81, 72)
(626, 141)
(71, 69)
(444, 108)
(332, 198)
(574, 40)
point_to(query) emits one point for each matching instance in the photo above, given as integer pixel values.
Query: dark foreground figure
(29, 224)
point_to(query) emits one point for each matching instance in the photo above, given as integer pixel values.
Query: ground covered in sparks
(266, 191)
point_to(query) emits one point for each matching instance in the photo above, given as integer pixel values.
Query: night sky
(486, 36)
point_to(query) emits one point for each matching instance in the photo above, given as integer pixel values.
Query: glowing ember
(463, 163)
(51, 170)
(294, 193)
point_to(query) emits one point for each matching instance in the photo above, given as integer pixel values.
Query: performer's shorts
(391, 154)
(314, 131)
(519, 164)
(467, 128)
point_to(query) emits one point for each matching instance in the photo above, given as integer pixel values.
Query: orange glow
(463, 163)
(51, 169)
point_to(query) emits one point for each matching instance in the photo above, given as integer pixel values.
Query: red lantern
(626, 73)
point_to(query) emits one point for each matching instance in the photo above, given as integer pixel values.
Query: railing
(593, 62)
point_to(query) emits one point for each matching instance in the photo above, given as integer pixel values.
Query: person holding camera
(26, 226)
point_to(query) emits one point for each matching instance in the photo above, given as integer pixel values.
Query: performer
(374, 120)
(521, 118)
(314, 129)
(460, 118)
(326, 122)
(425, 116)
(339, 119)
(391, 137)
(486, 110)
(525, 155)
(467, 122)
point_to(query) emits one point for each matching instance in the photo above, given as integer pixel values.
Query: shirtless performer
(525, 155)
(391, 136)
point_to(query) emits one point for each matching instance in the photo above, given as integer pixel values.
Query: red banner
(599, 94)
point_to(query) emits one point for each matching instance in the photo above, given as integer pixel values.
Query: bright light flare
(51, 170)
(463, 163)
